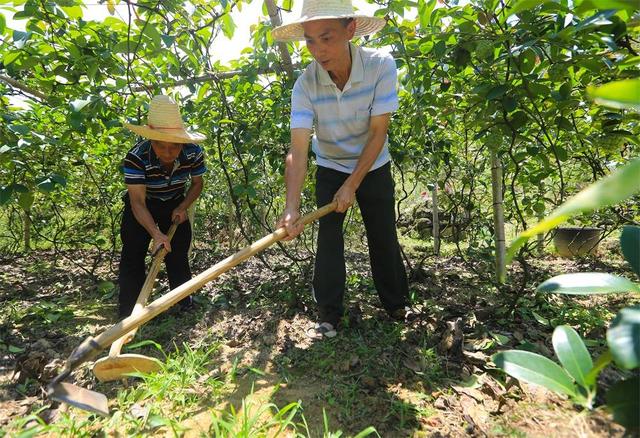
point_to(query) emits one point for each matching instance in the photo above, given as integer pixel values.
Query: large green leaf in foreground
(630, 244)
(619, 94)
(587, 283)
(623, 337)
(610, 190)
(536, 369)
(624, 401)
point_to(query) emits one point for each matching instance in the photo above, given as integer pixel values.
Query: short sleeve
(198, 167)
(385, 98)
(134, 169)
(301, 108)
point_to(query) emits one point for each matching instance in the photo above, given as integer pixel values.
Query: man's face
(328, 42)
(166, 152)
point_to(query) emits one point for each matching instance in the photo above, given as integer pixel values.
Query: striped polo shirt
(341, 118)
(142, 166)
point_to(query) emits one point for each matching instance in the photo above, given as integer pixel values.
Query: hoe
(96, 402)
(116, 366)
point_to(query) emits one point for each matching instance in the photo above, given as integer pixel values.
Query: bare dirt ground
(429, 377)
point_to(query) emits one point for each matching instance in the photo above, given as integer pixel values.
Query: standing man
(156, 171)
(347, 94)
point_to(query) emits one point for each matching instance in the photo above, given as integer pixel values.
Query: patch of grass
(187, 378)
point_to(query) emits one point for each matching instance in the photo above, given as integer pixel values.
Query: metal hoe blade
(79, 397)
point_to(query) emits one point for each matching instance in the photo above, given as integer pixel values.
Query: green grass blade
(623, 337)
(572, 353)
(587, 283)
(623, 94)
(614, 188)
(630, 244)
(536, 369)
(368, 431)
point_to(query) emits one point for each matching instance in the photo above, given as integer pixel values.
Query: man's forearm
(144, 218)
(192, 194)
(370, 153)
(294, 175)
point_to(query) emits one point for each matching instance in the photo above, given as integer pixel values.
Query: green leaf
(10, 57)
(620, 94)
(78, 104)
(3, 24)
(497, 92)
(630, 244)
(586, 5)
(228, 26)
(536, 369)
(168, 40)
(572, 353)
(623, 399)
(541, 319)
(20, 36)
(14, 349)
(610, 190)
(587, 283)
(5, 194)
(601, 363)
(366, 432)
(73, 12)
(623, 337)
(425, 8)
(525, 5)
(19, 129)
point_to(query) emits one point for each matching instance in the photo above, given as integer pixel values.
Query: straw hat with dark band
(164, 123)
(326, 10)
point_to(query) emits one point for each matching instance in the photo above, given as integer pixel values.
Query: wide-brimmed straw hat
(164, 123)
(326, 10)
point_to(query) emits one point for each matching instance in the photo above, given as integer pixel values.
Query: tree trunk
(498, 216)
(26, 224)
(435, 219)
(282, 47)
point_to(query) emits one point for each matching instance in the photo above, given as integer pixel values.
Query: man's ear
(351, 28)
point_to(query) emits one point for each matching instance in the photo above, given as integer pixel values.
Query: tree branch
(24, 88)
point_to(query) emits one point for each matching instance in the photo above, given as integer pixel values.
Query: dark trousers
(135, 244)
(375, 198)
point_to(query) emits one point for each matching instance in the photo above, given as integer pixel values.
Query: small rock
(138, 411)
(441, 403)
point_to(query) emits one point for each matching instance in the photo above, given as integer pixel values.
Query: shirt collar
(357, 68)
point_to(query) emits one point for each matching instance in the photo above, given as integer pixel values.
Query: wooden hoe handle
(163, 303)
(147, 287)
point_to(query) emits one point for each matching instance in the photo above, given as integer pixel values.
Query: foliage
(578, 375)
(478, 76)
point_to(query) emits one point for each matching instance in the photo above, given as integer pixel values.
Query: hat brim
(293, 31)
(170, 135)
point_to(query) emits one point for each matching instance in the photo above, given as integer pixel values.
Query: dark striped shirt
(142, 166)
